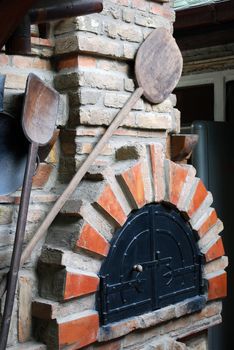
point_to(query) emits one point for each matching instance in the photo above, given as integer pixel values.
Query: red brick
(86, 61)
(157, 163)
(197, 199)
(80, 331)
(30, 62)
(42, 175)
(68, 62)
(210, 221)
(217, 285)
(75, 62)
(162, 10)
(41, 64)
(92, 240)
(78, 284)
(110, 205)
(177, 178)
(216, 251)
(41, 42)
(4, 60)
(134, 184)
(140, 4)
(22, 61)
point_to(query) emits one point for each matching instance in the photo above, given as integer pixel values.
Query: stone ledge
(118, 329)
(28, 346)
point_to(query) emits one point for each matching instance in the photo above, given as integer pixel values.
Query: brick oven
(134, 260)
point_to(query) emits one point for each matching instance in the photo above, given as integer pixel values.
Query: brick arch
(103, 202)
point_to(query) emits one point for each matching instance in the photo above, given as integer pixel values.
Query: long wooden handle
(41, 231)
(18, 244)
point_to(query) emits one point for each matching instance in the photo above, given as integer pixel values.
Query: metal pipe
(51, 10)
(11, 14)
(20, 41)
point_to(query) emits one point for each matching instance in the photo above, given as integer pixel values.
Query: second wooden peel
(158, 68)
(38, 122)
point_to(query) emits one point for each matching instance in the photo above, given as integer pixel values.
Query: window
(206, 96)
(195, 103)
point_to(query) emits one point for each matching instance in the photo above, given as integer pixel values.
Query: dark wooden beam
(207, 15)
(205, 36)
(11, 14)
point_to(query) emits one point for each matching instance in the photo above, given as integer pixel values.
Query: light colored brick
(89, 96)
(100, 116)
(216, 265)
(28, 346)
(211, 236)
(91, 24)
(98, 44)
(129, 50)
(158, 175)
(63, 110)
(6, 213)
(130, 33)
(206, 221)
(97, 79)
(117, 100)
(25, 301)
(128, 15)
(113, 10)
(15, 81)
(129, 85)
(157, 121)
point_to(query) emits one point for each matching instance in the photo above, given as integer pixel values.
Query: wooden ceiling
(205, 26)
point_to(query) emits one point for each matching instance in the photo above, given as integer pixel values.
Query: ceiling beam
(212, 14)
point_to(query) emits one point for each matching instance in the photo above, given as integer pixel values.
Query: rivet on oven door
(138, 268)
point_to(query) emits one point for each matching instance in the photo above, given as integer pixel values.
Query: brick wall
(90, 61)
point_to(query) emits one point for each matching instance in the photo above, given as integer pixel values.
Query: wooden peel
(39, 116)
(158, 69)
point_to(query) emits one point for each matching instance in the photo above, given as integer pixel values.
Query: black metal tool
(51, 10)
(13, 149)
(38, 121)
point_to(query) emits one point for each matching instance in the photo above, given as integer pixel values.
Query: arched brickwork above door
(103, 203)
